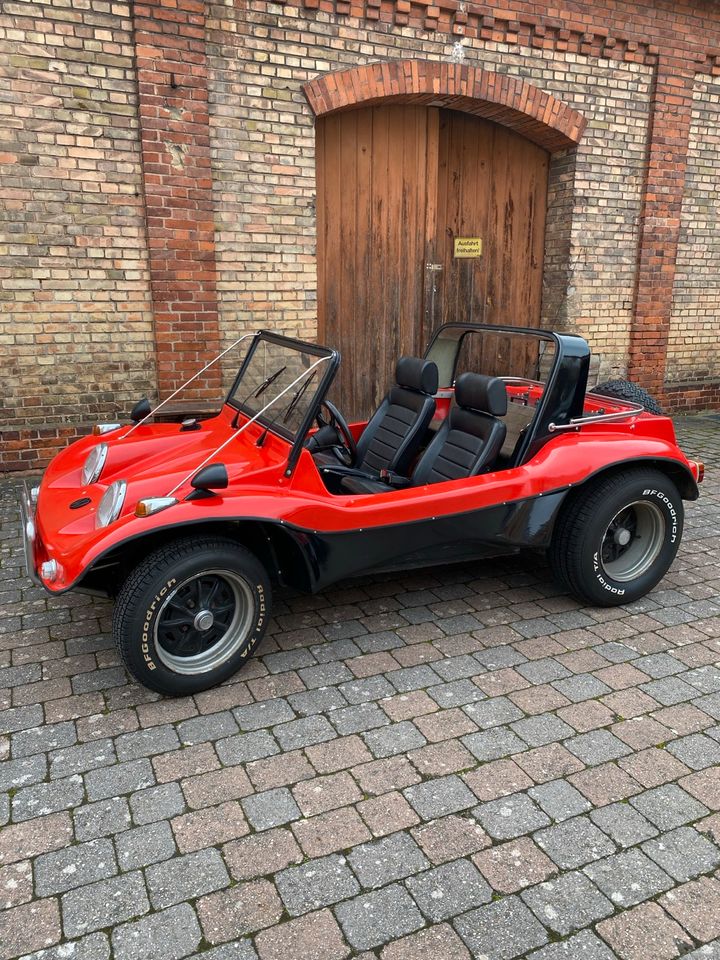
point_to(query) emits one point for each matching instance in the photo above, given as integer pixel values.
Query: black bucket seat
(466, 444)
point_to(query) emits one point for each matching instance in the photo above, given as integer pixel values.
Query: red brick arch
(494, 96)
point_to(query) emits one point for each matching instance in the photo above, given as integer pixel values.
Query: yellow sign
(468, 247)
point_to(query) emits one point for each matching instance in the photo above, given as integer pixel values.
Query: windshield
(289, 375)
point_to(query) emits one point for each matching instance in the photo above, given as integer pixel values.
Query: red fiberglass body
(278, 501)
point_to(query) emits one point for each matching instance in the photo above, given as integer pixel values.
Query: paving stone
(433, 943)
(101, 819)
(42, 799)
(16, 884)
(73, 867)
(669, 690)
(559, 799)
(261, 854)
(623, 824)
(505, 930)
(497, 779)
(145, 845)
(583, 946)
(449, 890)
(574, 843)
(169, 935)
(245, 747)
(216, 786)
(493, 744)
(330, 832)
(696, 907)
(304, 732)
(510, 867)
(380, 776)
(239, 911)
(456, 693)
(120, 779)
(394, 739)
(541, 729)
(548, 763)
(567, 903)
(387, 813)
(669, 806)
(583, 686)
(156, 803)
(441, 759)
(146, 743)
(338, 754)
(683, 853)
(93, 947)
(19, 841)
(645, 933)
(29, 927)
(185, 877)
(492, 713)
(596, 747)
(696, 751)
(653, 766)
(255, 716)
(511, 816)
(22, 772)
(438, 797)
(450, 837)
(272, 808)
(629, 878)
(104, 904)
(372, 919)
(358, 718)
(315, 884)
(42, 739)
(361, 691)
(390, 858)
(316, 936)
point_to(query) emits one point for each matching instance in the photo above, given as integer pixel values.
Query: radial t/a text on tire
(191, 614)
(617, 537)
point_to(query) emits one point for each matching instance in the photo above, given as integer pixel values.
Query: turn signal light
(101, 428)
(49, 570)
(701, 472)
(152, 505)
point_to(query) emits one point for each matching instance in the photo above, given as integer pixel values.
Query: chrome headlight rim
(111, 504)
(94, 463)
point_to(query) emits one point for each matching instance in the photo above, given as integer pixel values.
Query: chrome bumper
(27, 522)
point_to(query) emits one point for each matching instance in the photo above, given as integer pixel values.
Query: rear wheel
(190, 614)
(616, 539)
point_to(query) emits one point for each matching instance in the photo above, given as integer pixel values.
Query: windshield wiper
(268, 380)
(299, 394)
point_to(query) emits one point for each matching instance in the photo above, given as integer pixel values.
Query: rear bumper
(29, 532)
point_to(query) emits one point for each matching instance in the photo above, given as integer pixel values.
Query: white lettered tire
(616, 539)
(191, 614)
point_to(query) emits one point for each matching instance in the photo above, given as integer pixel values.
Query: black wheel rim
(203, 621)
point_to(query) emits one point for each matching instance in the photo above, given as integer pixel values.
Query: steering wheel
(328, 415)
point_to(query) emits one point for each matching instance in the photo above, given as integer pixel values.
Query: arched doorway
(428, 211)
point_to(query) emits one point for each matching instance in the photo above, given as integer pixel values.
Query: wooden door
(395, 186)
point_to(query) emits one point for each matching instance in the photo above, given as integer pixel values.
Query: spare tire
(624, 390)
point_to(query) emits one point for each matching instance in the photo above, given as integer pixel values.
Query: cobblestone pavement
(457, 762)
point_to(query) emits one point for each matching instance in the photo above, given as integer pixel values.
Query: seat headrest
(475, 391)
(415, 374)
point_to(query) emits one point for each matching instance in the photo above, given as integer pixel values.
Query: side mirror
(141, 409)
(212, 477)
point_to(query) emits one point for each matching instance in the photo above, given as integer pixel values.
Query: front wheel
(616, 540)
(190, 614)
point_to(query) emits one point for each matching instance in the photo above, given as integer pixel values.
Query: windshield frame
(271, 419)
(563, 395)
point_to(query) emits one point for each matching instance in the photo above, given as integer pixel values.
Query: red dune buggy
(487, 445)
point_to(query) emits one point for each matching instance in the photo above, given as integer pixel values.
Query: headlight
(94, 464)
(111, 504)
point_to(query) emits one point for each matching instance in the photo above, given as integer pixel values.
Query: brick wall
(693, 349)
(76, 330)
(158, 184)
(262, 135)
